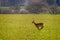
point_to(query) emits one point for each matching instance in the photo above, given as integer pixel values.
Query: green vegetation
(20, 27)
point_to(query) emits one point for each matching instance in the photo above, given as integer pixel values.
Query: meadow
(20, 27)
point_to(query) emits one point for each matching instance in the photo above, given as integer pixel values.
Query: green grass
(20, 27)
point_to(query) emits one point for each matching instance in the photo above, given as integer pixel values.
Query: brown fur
(38, 25)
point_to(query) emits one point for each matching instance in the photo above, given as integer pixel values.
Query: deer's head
(33, 21)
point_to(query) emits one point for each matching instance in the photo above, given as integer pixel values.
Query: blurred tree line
(41, 7)
(37, 8)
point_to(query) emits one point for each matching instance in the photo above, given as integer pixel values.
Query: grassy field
(20, 27)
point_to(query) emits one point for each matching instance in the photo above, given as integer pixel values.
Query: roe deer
(38, 25)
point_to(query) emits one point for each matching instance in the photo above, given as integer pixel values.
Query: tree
(35, 8)
(38, 7)
(15, 9)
